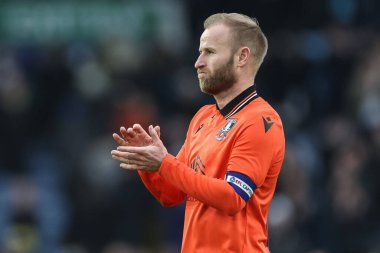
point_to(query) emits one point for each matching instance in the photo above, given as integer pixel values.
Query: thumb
(154, 135)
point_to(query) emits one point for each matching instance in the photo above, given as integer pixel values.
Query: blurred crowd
(60, 191)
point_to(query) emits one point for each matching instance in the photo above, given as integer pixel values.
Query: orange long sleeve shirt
(227, 171)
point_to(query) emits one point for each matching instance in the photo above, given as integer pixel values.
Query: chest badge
(224, 131)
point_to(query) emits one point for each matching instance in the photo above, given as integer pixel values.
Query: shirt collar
(239, 102)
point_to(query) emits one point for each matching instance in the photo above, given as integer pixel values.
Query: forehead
(216, 36)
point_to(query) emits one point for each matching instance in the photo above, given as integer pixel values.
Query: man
(228, 167)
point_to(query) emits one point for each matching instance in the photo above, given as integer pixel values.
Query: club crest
(224, 131)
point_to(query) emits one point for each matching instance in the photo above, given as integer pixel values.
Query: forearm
(214, 192)
(164, 192)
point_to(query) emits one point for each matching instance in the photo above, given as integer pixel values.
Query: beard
(222, 79)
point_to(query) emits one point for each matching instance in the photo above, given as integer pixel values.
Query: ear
(244, 56)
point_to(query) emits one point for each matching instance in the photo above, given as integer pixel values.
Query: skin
(138, 149)
(221, 73)
(215, 51)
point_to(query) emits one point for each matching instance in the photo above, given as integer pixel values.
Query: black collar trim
(239, 102)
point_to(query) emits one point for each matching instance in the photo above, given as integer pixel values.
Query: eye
(207, 51)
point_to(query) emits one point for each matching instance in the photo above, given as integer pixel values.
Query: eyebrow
(209, 49)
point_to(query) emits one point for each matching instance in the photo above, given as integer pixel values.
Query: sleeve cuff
(168, 162)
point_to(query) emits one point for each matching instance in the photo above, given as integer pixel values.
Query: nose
(199, 62)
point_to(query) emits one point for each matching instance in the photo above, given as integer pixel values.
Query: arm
(214, 192)
(255, 151)
(167, 194)
(248, 166)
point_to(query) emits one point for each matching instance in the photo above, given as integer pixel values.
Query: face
(215, 64)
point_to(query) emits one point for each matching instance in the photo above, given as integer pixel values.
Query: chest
(210, 144)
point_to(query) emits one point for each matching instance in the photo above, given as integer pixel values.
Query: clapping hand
(139, 150)
(134, 136)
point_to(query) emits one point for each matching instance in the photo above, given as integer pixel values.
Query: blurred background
(73, 72)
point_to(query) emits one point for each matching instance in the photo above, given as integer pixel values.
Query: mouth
(201, 74)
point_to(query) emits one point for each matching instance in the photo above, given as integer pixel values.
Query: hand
(134, 136)
(147, 158)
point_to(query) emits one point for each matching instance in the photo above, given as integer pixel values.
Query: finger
(123, 131)
(154, 135)
(119, 155)
(119, 140)
(124, 160)
(120, 159)
(129, 156)
(129, 166)
(123, 155)
(134, 167)
(130, 133)
(129, 161)
(126, 156)
(129, 149)
(138, 129)
(158, 130)
(127, 133)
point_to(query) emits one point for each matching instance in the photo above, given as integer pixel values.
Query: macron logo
(267, 123)
(241, 184)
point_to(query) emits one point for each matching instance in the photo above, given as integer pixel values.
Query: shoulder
(260, 120)
(204, 111)
(258, 110)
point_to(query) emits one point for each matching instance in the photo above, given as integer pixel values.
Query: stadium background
(72, 72)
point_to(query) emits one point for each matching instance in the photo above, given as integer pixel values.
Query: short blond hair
(246, 32)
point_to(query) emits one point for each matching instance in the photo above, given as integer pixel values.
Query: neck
(224, 97)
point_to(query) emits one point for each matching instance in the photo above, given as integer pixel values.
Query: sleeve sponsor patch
(241, 183)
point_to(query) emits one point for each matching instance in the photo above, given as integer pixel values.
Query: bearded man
(227, 169)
